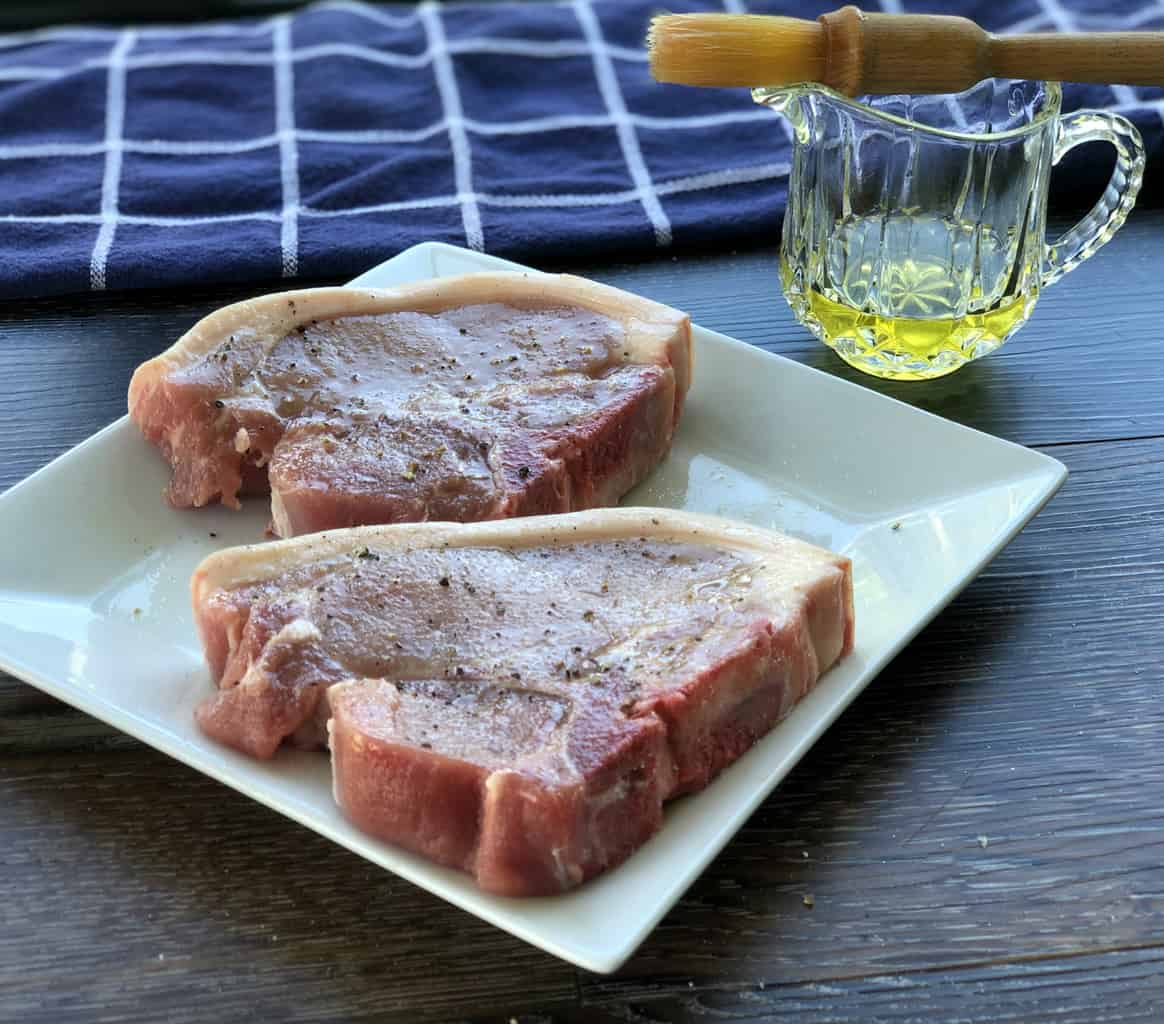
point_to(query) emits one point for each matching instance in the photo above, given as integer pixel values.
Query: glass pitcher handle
(1107, 215)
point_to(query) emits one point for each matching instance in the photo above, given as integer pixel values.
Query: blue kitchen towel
(317, 143)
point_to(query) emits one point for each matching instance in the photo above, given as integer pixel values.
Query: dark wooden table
(982, 833)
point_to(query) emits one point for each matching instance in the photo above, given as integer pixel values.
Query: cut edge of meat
(611, 450)
(516, 832)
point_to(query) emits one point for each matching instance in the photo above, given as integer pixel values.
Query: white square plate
(94, 605)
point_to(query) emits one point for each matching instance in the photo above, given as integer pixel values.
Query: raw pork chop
(463, 398)
(518, 699)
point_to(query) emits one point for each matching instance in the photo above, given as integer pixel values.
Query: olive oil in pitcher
(914, 296)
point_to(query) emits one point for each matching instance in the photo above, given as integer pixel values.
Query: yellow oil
(912, 299)
(908, 348)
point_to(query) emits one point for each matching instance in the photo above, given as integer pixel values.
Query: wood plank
(1115, 986)
(135, 889)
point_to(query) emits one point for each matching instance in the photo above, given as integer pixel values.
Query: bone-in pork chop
(484, 396)
(518, 699)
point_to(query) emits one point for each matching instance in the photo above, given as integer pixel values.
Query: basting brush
(858, 53)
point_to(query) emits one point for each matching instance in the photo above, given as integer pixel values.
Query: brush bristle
(735, 49)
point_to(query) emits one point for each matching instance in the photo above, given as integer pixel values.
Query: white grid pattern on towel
(671, 187)
(406, 61)
(454, 121)
(375, 136)
(620, 118)
(111, 180)
(288, 151)
(282, 57)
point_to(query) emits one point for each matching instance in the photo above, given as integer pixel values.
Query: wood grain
(1112, 986)
(135, 890)
(1131, 58)
(981, 834)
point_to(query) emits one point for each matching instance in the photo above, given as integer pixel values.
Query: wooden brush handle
(1127, 58)
(889, 53)
(920, 53)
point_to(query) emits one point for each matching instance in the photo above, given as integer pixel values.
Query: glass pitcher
(915, 235)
